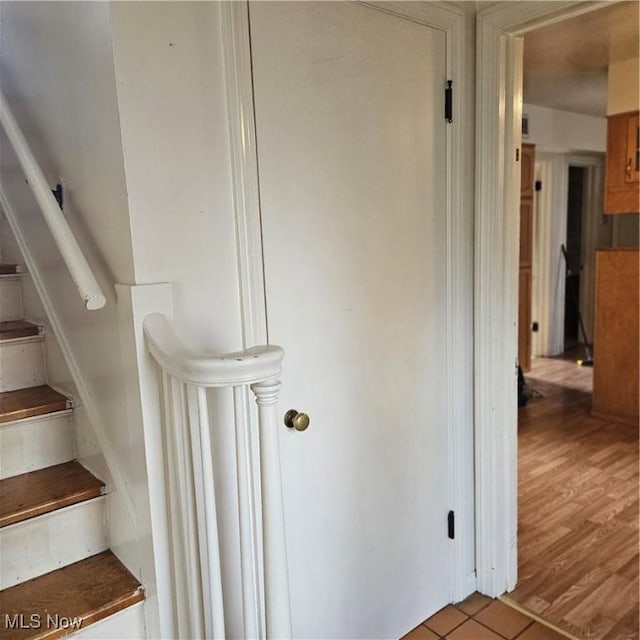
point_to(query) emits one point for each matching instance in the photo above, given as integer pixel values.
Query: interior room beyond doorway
(578, 507)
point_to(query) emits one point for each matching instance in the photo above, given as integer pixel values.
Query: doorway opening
(572, 591)
(573, 261)
(577, 510)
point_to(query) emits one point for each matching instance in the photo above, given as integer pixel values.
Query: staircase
(58, 577)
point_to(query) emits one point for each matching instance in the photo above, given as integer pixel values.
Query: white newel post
(192, 562)
(276, 573)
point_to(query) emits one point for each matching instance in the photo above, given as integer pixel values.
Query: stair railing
(79, 268)
(197, 595)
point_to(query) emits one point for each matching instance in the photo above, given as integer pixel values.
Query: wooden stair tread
(90, 590)
(7, 269)
(37, 492)
(35, 401)
(11, 329)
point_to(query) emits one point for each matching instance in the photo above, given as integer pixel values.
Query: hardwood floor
(578, 508)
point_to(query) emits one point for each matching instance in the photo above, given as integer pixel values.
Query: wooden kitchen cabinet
(616, 380)
(526, 250)
(622, 183)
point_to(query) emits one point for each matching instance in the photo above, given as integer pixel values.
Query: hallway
(578, 508)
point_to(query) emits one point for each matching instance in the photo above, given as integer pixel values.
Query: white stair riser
(48, 542)
(127, 624)
(35, 443)
(21, 363)
(10, 298)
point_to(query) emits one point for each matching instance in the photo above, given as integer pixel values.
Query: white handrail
(193, 555)
(79, 268)
(226, 370)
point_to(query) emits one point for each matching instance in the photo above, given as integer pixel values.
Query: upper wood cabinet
(622, 192)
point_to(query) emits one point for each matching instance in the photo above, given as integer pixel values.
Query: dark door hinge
(451, 525)
(448, 101)
(538, 185)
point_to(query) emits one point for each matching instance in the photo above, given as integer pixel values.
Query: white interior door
(351, 154)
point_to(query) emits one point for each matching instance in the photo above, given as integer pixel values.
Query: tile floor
(481, 618)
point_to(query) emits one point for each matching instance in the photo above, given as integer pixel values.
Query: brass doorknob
(295, 420)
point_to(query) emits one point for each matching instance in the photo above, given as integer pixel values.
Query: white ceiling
(565, 64)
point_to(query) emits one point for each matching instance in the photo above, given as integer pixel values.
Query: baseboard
(608, 417)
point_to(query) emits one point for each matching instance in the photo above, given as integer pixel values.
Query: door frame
(550, 228)
(498, 136)
(457, 24)
(592, 205)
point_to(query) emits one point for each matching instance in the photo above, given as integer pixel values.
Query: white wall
(557, 131)
(172, 105)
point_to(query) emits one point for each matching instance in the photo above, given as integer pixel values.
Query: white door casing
(498, 108)
(452, 22)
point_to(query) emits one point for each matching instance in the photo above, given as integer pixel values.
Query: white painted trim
(143, 407)
(246, 196)
(497, 108)
(236, 46)
(86, 396)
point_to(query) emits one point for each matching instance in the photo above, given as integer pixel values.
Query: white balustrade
(198, 588)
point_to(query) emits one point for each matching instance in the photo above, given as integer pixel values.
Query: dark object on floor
(588, 358)
(522, 395)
